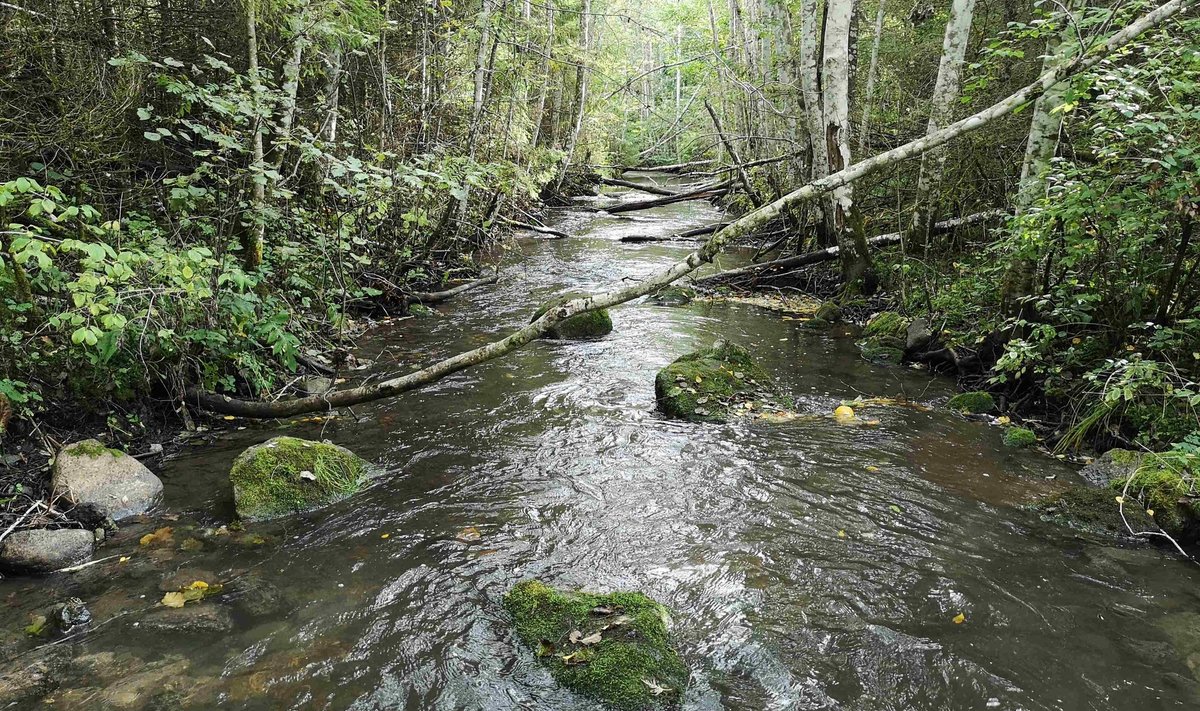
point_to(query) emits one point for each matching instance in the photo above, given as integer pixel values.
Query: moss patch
(1019, 437)
(90, 448)
(288, 475)
(886, 324)
(708, 385)
(592, 324)
(1090, 509)
(876, 352)
(613, 648)
(975, 403)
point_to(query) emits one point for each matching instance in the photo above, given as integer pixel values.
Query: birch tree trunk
(1044, 128)
(539, 110)
(836, 64)
(810, 89)
(941, 112)
(297, 24)
(872, 73)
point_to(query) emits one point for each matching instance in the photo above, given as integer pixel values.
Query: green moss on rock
(875, 352)
(975, 403)
(591, 324)
(886, 324)
(1161, 488)
(613, 648)
(1091, 509)
(287, 475)
(707, 385)
(829, 311)
(90, 448)
(1019, 437)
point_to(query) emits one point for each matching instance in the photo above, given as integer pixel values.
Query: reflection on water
(810, 565)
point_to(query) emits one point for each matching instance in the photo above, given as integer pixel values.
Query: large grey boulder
(918, 335)
(1113, 464)
(42, 550)
(109, 482)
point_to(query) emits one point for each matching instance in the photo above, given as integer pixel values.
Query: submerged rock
(886, 324)
(107, 481)
(45, 550)
(287, 475)
(613, 648)
(876, 352)
(1093, 510)
(1183, 629)
(195, 618)
(974, 403)
(883, 338)
(592, 324)
(1019, 437)
(673, 296)
(707, 385)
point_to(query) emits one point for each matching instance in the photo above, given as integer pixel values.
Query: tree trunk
(840, 211)
(254, 228)
(872, 73)
(581, 84)
(941, 112)
(694, 260)
(810, 89)
(539, 110)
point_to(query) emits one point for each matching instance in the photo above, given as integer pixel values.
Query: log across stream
(808, 564)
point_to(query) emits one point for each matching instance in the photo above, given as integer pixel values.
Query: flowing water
(809, 564)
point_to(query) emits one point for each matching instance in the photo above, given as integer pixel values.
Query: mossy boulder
(1161, 486)
(708, 385)
(287, 475)
(826, 315)
(613, 648)
(1019, 437)
(974, 403)
(886, 324)
(673, 295)
(1093, 510)
(591, 324)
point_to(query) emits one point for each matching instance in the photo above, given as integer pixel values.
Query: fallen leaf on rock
(842, 533)
(844, 413)
(895, 509)
(580, 656)
(1003, 420)
(174, 599)
(470, 534)
(37, 626)
(656, 688)
(873, 469)
(603, 610)
(545, 648)
(594, 638)
(308, 476)
(960, 618)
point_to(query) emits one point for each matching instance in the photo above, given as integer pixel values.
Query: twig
(19, 520)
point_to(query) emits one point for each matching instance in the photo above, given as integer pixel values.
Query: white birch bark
(941, 113)
(872, 74)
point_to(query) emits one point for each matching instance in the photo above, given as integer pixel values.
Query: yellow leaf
(872, 468)
(229, 417)
(1076, 341)
(469, 534)
(1003, 420)
(1120, 499)
(960, 618)
(173, 599)
(844, 412)
(146, 539)
(699, 380)
(124, 559)
(842, 534)
(1149, 512)
(386, 536)
(162, 535)
(199, 585)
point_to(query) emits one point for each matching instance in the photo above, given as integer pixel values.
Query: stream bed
(809, 564)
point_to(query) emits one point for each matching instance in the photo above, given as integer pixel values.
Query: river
(809, 564)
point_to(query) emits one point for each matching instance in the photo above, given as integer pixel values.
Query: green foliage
(1019, 437)
(630, 667)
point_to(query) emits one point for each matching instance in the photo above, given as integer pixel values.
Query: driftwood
(825, 255)
(686, 236)
(638, 186)
(701, 193)
(436, 297)
(535, 228)
(702, 255)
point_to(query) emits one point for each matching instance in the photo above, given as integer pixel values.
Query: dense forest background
(210, 194)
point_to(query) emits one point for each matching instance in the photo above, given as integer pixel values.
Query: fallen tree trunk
(436, 297)
(535, 228)
(825, 255)
(638, 186)
(708, 191)
(693, 261)
(687, 236)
